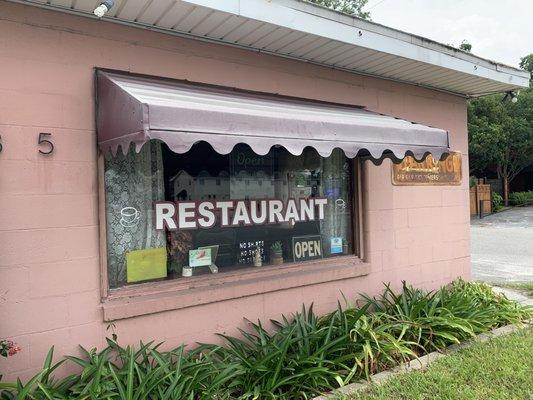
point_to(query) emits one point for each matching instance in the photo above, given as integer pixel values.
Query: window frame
(115, 301)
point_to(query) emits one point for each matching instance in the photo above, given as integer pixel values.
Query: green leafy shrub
(484, 309)
(497, 201)
(298, 357)
(301, 356)
(521, 198)
(125, 373)
(472, 181)
(421, 317)
(378, 348)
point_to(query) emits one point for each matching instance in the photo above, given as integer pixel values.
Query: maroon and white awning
(133, 109)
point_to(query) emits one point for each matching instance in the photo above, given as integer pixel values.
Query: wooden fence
(480, 193)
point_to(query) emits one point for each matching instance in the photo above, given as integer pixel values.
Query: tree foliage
(500, 135)
(352, 7)
(465, 46)
(527, 63)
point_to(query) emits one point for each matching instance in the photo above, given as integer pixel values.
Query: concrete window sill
(156, 297)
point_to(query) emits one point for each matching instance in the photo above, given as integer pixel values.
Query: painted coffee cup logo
(129, 217)
(340, 204)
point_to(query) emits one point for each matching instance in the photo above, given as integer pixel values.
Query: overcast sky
(501, 30)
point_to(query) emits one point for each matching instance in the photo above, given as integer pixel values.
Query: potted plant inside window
(258, 261)
(276, 253)
(344, 246)
(178, 251)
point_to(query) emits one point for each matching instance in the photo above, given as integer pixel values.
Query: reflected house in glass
(216, 107)
(204, 186)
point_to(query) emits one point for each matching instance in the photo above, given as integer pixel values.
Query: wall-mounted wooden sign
(428, 172)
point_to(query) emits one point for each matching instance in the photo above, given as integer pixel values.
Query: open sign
(306, 247)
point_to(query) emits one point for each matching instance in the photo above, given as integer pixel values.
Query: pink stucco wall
(49, 263)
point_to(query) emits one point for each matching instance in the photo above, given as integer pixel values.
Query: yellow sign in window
(143, 265)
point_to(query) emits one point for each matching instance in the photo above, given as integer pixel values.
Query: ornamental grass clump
(296, 357)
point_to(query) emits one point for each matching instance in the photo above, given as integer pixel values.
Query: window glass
(222, 212)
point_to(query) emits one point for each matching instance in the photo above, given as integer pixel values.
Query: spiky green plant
(297, 357)
(118, 373)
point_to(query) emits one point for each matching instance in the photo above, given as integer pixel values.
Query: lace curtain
(133, 183)
(336, 187)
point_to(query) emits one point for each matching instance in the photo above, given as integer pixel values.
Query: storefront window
(171, 216)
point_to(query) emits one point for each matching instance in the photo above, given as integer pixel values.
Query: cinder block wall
(49, 264)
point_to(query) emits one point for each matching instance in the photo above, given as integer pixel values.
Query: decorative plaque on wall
(429, 171)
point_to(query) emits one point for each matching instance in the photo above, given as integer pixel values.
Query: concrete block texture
(49, 227)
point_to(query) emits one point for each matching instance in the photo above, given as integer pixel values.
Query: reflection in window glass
(135, 182)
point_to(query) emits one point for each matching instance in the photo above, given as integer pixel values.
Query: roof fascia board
(234, 7)
(153, 28)
(303, 5)
(277, 12)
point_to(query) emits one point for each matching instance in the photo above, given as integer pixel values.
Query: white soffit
(305, 32)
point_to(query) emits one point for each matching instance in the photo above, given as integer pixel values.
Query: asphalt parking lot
(502, 246)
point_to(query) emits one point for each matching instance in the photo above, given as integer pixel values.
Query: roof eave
(470, 76)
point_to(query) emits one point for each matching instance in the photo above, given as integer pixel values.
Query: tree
(500, 134)
(527, 63)
(352, 7)
(465, 46)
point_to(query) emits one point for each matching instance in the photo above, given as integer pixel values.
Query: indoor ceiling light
(103, 8)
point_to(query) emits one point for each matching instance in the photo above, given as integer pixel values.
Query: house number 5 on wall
(43, 140)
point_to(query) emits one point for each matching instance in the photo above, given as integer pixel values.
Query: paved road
(502, 246)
